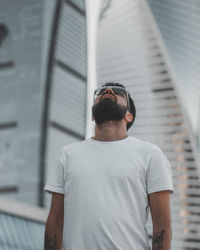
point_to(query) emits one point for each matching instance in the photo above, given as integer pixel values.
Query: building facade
(178, 22)
(43, 75)
(43, 83)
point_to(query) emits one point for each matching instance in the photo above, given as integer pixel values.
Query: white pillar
(92, 17)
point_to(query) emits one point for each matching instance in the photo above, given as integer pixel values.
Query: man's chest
(107, 166)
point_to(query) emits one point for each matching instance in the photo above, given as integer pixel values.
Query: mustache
(102, 97)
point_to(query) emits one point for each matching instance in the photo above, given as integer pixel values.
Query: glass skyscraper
(43, 76)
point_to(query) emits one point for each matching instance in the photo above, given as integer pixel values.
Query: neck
(110, 131)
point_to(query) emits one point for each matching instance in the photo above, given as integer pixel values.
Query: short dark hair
(132, 108)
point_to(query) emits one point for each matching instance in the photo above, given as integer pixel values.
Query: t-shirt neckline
(105, 143)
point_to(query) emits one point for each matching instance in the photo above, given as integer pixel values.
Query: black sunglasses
(116, 89)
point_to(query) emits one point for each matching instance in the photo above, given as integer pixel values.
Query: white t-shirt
(106, 184)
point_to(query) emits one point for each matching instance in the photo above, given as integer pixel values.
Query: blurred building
(179, 24)
(43, 82)
(43, 98)
(21, 226)
(43, 74)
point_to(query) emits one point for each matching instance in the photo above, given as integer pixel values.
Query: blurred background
(53, 54)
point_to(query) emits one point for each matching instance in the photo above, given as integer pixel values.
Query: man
(102, 187)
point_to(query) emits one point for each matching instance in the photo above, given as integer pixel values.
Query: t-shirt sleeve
(55, 178)
(159, 172)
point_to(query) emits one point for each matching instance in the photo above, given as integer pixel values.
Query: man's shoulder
(72, 145)
(143, 144)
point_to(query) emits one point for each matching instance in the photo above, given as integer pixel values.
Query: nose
(109, 90)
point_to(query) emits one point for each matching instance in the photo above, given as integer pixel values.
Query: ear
(92, 118)
(128, 117)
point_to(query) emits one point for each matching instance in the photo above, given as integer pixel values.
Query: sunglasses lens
(119, 91)
(101, 91)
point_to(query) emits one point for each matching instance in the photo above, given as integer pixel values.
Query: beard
(108, 110)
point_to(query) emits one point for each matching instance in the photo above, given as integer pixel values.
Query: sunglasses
(116, 89)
